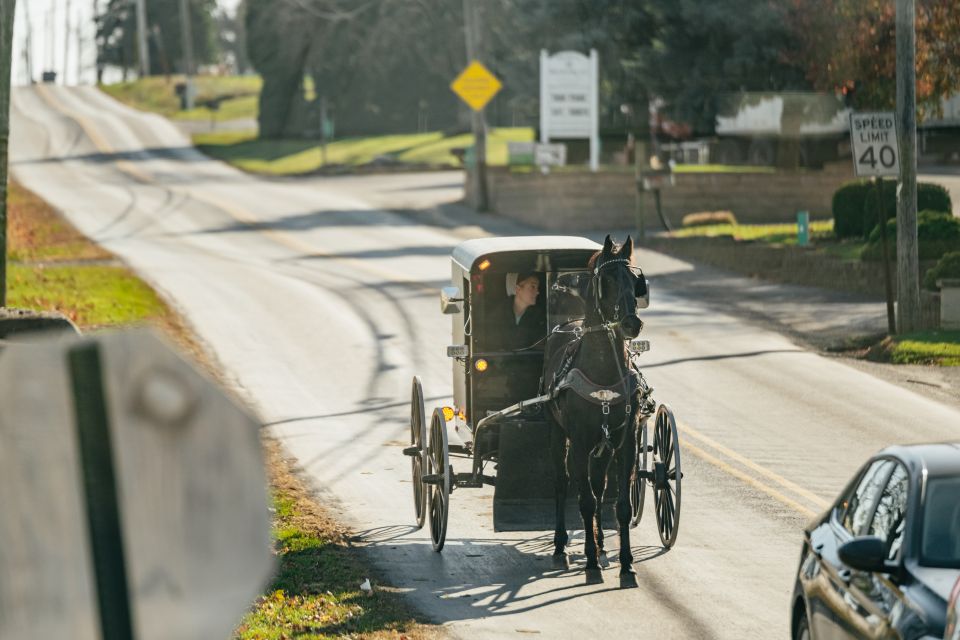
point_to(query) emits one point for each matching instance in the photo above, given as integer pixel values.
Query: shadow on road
(500, 576)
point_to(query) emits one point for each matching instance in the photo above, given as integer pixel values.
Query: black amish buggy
(515, 405)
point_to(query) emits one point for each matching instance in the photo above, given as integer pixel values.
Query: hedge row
(948, 267)
(938, 233)
(855, 205)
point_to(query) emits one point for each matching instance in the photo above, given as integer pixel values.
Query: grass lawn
(292, 157)
(771, 233)
(316, 593)
(157, 94)
(721, 168)
(927, 347)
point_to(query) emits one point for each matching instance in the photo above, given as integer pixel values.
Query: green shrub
(938, 233)
(930, 197)
(705, 218)
(847, 208)
(855, 205)
(933, 197)
(947, 267)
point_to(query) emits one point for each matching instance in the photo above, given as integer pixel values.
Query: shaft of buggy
(492, 418)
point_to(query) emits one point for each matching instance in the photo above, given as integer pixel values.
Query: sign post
(134, 495)
(477, 86)
(876, 153)
(569, 98)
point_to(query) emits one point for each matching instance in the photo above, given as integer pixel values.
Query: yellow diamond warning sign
(476, 85)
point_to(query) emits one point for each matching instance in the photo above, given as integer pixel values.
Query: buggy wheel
(438, 468)
(418, 439)
(638, 486)
(666, 475)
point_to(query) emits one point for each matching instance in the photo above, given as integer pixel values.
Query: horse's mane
(593, 260)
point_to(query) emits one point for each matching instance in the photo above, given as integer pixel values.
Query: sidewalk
(816, 318)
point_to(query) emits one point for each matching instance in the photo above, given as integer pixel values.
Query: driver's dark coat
(512, 335)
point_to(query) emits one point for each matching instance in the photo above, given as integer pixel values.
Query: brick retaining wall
(796, 265)
(566, 201)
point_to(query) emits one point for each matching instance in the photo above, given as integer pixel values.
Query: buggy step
(432, 478)
(470, 481)
(413, 451)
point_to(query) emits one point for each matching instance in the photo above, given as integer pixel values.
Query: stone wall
(569, 201)
(797, 265)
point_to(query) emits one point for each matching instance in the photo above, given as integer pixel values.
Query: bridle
(597, 285)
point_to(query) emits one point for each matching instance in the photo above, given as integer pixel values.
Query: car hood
(939, 581)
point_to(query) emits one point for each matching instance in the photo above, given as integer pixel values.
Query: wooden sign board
(189, 490)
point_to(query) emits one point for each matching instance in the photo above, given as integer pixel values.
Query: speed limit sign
(874, 141)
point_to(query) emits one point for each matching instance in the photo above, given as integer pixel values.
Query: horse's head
(616, 285)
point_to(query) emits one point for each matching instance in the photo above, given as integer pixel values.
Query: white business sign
(873, 137)
(569, 98)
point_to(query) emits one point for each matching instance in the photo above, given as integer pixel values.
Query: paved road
(321, 305)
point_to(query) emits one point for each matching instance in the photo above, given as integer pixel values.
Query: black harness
(568, 378)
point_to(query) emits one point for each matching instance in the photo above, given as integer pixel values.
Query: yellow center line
(753, 482)
(783, 482)
(239, 214)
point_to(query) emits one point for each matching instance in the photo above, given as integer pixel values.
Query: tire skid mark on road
(237, 213)
(249, 219)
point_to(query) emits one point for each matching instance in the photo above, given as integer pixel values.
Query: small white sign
(873, 137)
(552, 155)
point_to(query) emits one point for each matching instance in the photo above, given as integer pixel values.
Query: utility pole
(66, 42)
(28, 47)
(187, 39)
(98, 42)
(908, 261)
(7, 13)
(472, 32)
(142, 48)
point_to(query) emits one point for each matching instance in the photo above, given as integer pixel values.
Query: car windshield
(941, 524)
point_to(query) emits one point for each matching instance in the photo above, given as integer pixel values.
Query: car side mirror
(642, 292)
(866, 553)
(450, 299)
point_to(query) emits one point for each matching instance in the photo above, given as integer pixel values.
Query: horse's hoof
(628, 580)
(593, 576)
(560, 561)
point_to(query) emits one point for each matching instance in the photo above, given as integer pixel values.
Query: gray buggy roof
(467, 253)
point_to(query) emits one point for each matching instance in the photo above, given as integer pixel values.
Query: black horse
(596, 400)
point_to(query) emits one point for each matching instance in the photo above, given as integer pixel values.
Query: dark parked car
(953, 614)
(881, 562)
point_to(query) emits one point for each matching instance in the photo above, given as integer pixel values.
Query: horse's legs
(558, 453)
(626, 457)
(588, 504)
(598, 482)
